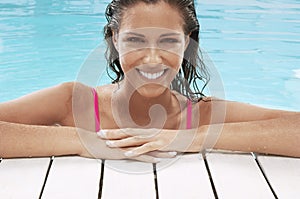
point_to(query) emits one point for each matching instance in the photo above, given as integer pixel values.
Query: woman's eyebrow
(163, 35)
(170, 34)
(136, 34)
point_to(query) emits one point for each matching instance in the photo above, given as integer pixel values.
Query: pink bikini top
(97, 115)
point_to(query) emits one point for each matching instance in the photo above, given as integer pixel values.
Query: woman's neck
(144, 110)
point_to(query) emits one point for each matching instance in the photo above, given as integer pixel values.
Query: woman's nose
(152, 55)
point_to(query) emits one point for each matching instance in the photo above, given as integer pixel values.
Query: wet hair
(192, 68)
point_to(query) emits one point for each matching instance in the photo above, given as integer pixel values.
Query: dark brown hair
(192, 68)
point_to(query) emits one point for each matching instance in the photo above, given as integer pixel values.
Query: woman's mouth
(152, 76)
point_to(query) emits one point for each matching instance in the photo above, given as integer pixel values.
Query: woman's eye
(135, 40)
(169, 40)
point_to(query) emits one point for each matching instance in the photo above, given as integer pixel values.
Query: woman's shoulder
(235, 111)
(79, 87)
(105, 91)
(82, 93)
(106, 88)
(207, 101)
(211, 99)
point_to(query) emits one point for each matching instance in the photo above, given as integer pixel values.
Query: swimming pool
(254, 44)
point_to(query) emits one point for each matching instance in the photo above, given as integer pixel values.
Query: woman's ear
(115, 40)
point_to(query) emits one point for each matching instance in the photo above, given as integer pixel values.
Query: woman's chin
(151, 91)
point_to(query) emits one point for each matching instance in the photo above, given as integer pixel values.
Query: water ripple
(297, 73)
(254, 44)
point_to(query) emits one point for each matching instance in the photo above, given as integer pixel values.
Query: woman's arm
(214, 111)
(45, 107)
(279, 136)
(256, 129)
(248, 128)
(242, 112)
(21, 140)
(24, 130)
(26, 124)
(21, 133)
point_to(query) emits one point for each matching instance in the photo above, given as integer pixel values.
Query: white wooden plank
(128, 179)
(283, 174)
(22, 178)
(185, 178)
(73, 177)
(237, 176)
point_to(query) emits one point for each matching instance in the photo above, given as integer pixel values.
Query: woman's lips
(152, 75)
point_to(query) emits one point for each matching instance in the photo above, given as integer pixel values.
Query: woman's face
(151, 45)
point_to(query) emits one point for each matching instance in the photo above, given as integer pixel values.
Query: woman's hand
(94, 147)
(143, 141)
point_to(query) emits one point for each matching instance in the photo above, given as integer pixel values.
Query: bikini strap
(189, 115)
(96, 110)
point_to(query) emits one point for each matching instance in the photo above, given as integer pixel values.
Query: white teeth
(152, 75)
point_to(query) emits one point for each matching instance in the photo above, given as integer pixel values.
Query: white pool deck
(221, 175)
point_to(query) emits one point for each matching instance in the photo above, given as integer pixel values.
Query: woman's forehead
(160, 15)
(151, 31)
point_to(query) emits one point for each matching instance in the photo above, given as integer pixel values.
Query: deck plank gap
(101, 179)
(209, 175)
(264, 174)
(155, 180)
(46, 177)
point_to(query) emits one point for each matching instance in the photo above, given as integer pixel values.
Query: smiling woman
(153, 55)
(152, 108)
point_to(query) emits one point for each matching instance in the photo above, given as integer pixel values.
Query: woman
(153, 108)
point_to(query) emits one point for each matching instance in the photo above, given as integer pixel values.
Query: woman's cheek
(129, 61)
(173, 61)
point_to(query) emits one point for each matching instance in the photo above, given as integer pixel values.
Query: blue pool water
(254, 44)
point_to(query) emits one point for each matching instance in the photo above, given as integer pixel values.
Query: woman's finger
(160, 154)
(145, 148)
(128, 142)
(112, 134)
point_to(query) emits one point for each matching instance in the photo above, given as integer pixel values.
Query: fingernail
(129, 153)
(173, 153)
(110, 143)
(102, 133)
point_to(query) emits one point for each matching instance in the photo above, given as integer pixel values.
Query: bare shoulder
(85, 91)
(107, 88)
(206, 104)
(249, 112)
(83, 104)
(209, 107)
(105, 91)
(239, 111)
(47, 106)
(75, 93)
